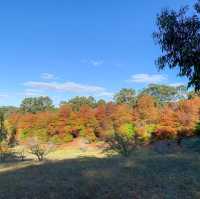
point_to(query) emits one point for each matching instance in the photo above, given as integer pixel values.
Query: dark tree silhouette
(178, 35)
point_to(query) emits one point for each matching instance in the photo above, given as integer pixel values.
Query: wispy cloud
(177, 84)
(96, 62)
(105, 94)
(66, 86)
(32, 93)
(48, 76)
(29, 94)
(93, 62)
(147, 78)
(2, 96)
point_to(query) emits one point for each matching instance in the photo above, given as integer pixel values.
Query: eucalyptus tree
(125, 96)
(178, 35)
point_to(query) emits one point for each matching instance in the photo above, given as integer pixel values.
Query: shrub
(56, 139)
(164, 132)
(122, 144)
(88, 134)
(40, 150)
(67, 138)
(24, 134)
(145, 133)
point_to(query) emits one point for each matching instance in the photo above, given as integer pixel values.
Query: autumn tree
(146, 111)
(104, 122)
(144, 119)
(88, 122)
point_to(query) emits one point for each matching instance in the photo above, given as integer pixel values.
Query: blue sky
(64, 48)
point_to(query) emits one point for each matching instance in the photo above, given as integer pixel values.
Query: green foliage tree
(101, 102)
(78, 102)
(122, 144)
(178, 35)
(36, 104)
(128, 130)
(165, 93)
(125, 96)
(8, 110)
(193, 94)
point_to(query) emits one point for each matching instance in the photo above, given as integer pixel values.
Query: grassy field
(71, 173)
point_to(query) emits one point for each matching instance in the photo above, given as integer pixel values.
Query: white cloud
(47, 76)
(147, 78)
(105, 94)
(2, 96)
(176, 84)
(96, 62)
(29, 94)
(32, 93)
(66, 86)
(93, 62)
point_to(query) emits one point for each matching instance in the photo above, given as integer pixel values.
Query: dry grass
(73, 175)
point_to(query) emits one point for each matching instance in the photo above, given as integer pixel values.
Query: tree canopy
(178, 35)
(36, 104)
(165, 93)
(77, 102)
(126, 96)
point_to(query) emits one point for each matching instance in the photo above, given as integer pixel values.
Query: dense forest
(157, 112)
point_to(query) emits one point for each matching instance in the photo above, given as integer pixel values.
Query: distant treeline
(157, 112)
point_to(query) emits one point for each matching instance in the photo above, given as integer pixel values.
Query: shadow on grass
(143, 175)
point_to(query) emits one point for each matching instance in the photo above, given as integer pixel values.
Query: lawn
(146, 174)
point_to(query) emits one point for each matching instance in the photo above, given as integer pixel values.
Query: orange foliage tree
(145, 118)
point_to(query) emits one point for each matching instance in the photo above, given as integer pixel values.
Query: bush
(165, 132)
(67, 138)
(24, 134)
(40, 150)
(56, 139)
(122, 144)
(88, 134)
(145, 133)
